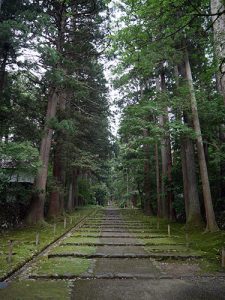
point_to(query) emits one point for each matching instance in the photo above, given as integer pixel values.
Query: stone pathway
(113, 256)
(118, 276)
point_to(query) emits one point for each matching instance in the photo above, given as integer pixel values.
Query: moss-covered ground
(60, 266)
(209, 245)
(31, 290)
(73, 249)
(24, 245)
(81, 240)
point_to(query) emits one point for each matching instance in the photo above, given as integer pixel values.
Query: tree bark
(56, 204)
(166, 180)
(210, 216)
(147, 180)
(57, 194)
(159, 203)
(219, 46)
(194, 218)
(190, 185)
(185, 177)
(73, 191)
(170, 187)
(36, 210)
(217, 6)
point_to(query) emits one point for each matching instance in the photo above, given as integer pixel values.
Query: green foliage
(100, 193)
(21, 161)
(85, 193)
(23, 157)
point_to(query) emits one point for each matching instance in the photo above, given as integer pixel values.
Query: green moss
(29, 290)
(60, 266)
(208, 244)
(24, 239)
(74, 249)
(158, 241)
(86, 234)
(165, 248)
(81, 240)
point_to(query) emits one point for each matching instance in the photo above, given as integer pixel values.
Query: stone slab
(126, 265)
(164, 289)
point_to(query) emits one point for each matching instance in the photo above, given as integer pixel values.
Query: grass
(81, 240)
(60, 266)
(24, 246)
(29, 290)
(73, 249)
(166, 248)
(208, 244)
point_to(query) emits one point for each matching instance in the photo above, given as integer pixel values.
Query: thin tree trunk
(159, 203)
(73, 191)
(170, 194)
(185, 177)
(210, 216)
(164, 175)
(164, 212)
(70, 198)
(76, 189)
(147, 181)
(54, 202)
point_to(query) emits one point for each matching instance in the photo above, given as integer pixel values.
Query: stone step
(121, 276)
(116, 230)
(159, 256)
(121, 236)
(122, 244)
(118, 220)
(103, 244)
(117, 225)
(98, 276)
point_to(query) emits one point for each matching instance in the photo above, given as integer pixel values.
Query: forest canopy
(57, 150)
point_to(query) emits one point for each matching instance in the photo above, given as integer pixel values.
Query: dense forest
(170, 75)
(168, 66)
(54, 108)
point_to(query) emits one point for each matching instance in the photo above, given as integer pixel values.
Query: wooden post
(71, 220)
(64, 223)
(10, 251)
(169, 234)
(54, 229)
(223, 258)
(37, 239)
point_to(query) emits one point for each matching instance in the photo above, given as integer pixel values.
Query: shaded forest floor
(24, 239)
